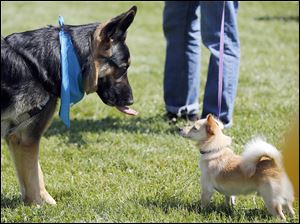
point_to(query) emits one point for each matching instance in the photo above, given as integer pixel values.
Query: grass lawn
(112, 168)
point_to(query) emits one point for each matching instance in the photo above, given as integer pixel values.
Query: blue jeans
(184, 29)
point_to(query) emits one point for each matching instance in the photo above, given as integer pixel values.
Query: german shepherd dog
(31, 83)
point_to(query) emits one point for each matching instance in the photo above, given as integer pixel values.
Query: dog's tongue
(127, 110)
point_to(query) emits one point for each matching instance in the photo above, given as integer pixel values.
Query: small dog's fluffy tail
(255, 151)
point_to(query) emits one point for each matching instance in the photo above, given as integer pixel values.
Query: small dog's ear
(211, 126)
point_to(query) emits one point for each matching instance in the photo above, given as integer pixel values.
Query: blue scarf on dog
(71, 78)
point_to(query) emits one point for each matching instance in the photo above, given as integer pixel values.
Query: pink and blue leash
(221, 60)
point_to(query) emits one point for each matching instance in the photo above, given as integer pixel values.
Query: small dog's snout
(181, 131)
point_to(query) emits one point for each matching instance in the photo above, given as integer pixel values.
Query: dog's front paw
(46, 197)
(205, 198)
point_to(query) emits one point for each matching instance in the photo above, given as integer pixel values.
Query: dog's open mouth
(127, 110)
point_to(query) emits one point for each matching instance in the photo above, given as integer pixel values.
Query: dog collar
(207, 152)
(71, 77)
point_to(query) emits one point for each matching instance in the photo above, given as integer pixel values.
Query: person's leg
(181, 25)
(211, 14)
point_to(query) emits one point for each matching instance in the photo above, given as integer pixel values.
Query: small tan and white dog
(259, 168)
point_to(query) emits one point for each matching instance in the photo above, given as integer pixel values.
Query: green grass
(113, 168)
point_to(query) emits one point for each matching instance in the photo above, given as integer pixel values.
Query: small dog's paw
(230, 201)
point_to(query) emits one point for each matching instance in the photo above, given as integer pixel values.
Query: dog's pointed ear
(211, 126)
(116, 27)
(109, 28)
(127, 20)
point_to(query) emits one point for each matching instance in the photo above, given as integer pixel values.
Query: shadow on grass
(10, 202)
(278, 18)
(168, 204)
(132, 125)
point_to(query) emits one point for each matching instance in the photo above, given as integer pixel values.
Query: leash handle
(221, 60)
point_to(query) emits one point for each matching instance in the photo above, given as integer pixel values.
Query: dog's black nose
(130, 102)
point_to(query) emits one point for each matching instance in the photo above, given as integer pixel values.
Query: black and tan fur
(31, 79)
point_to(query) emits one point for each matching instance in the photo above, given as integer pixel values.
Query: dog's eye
(124, 66)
